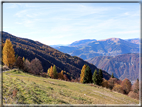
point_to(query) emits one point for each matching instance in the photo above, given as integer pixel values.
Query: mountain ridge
(106, 47)
(122, 66)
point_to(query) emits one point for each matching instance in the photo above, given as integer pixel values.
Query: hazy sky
(64, 23)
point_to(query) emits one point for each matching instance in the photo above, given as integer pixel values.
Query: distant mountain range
(49, 56)
(88, 48)
(122, 66)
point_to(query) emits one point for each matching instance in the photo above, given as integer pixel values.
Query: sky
(64, 23)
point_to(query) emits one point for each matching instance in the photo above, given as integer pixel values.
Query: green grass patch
(23, 88)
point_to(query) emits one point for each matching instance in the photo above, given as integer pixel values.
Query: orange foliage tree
(118, 88)
(8, 54)
(82, 73)
(135, 87)
(60, 75)
(126, 85)
(51, 72)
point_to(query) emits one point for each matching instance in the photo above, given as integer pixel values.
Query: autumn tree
(8, 54)
(134, 95)
(36, 67)
(87, 75)
(26, 65)
(55, 74)
(118, 88)
(65, 77)
(126, 85)
(95, 77)
(60, 75)
(105, 83)
(19, 63)
(48, 72)
(82, 73)
(23, 59)
(51, 72)
(135, 87)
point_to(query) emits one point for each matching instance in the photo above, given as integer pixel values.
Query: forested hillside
(49, 56)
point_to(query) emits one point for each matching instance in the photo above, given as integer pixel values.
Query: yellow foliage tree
(48, 71)
(23, 59)
(51, 72)
(8, 54)
(82, 73)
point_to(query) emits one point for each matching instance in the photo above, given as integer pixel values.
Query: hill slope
(122, 66)
(107, 47)
(48, 56)
(22, 88)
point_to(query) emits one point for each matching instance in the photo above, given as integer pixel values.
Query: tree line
(35, 67)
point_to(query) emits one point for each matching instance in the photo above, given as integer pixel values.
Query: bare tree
(36, 67)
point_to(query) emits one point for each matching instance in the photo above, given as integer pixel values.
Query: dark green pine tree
(88, 75)
(112, 76)
(95, 77)
(100, 77)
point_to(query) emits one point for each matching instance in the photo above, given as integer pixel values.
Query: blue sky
(64, 23)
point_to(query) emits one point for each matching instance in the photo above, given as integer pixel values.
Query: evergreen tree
(95, 77)
(82, 73)
(88, 75)
(16, 56)
(8, 54)
(55, 74)
(112, 76)
(100, 77)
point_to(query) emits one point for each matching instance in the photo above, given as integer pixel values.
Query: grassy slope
(39, 90)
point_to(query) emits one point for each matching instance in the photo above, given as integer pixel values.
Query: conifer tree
(100, 77)
(23, 59)
(62, 74)
(112, 76)
(51, 72)
(82, 73)
(95, 77)
(55, 74)
(8, 53)
(48, 71)
(16, 56)
(87, 75)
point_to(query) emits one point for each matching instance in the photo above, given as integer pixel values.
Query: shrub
(118, 88)
(65, 77)
(111, 83)
(105, 83)
(133, 95)
(126, 85)
(60, 75)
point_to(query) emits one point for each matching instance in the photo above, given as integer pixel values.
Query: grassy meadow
(23, 88)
